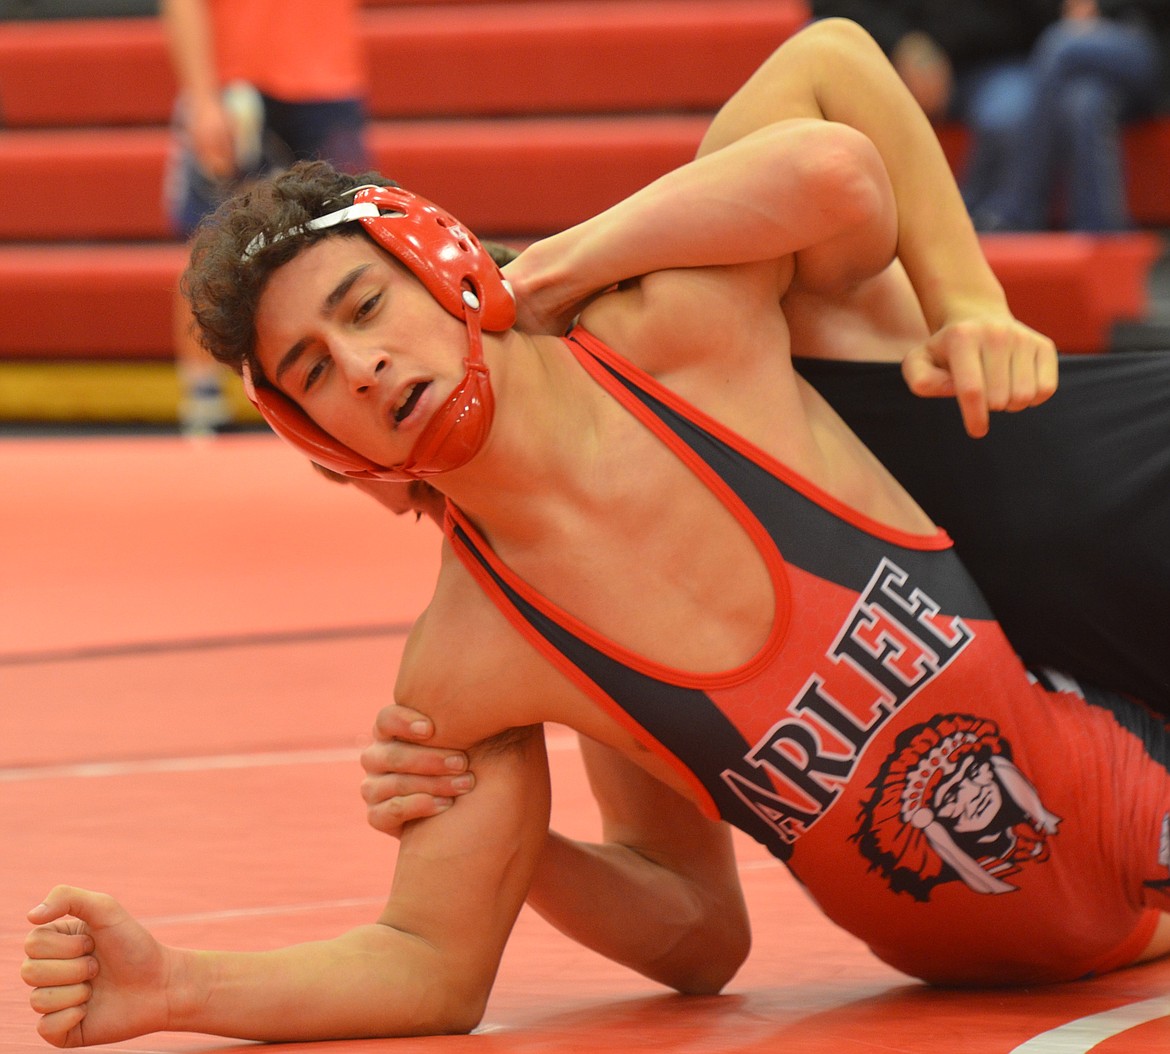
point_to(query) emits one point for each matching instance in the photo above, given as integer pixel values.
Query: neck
(539, 448)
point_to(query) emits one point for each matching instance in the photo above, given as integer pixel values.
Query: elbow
(446, 1010)
(726, 957)
(710, 957)
(846, 31)
(840, 39)
(855, 184)
(709, 977)
(436, 998)
(853, 193)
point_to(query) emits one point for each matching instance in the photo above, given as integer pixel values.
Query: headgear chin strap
(460, 274)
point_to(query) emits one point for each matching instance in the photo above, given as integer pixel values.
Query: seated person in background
(794, 649)
(965, 61)
(1097, 68)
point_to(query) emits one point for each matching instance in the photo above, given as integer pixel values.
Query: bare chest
(663, 568)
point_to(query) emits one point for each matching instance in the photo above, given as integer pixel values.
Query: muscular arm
(660, 894)
(971, 345)
(975, 350)
(425, 967)
(772, 193)
(835, 71)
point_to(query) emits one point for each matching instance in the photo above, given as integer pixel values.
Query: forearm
(427, 967)
(771, 193)
(190, 42)
(833, 70)
(372, 981)
(661, 894)
(643, 915)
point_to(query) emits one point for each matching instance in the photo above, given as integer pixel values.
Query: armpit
(504, 742)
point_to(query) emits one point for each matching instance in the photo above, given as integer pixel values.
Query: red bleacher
(521, 116)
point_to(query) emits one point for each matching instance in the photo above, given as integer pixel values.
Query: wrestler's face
(353, 338)
(972, 801)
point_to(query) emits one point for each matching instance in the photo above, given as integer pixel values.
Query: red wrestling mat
(195, 640)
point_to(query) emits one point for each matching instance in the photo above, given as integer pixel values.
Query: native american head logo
(950, 805)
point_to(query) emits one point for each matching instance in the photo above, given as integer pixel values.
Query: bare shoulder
(470, 670)
(697, 318)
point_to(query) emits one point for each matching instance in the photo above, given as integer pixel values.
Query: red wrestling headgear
(460, 274)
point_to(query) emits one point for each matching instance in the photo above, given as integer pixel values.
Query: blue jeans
(1088, 78)
(992, 101)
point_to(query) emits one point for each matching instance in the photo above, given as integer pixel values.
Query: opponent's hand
(548, 294)
(406, 780)
(97, 975)
(987, 365)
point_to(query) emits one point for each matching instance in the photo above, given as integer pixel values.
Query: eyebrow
(289, 359)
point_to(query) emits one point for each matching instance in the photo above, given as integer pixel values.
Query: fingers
(401, 722)
(97, 909)
(398, 734)
(393, 814)
(987, 366)
(395, 755)
(406, 780)
(394, 797)
(388, 778)
(52, 942)
(53, 998)
(59, 967)
(62, 1028)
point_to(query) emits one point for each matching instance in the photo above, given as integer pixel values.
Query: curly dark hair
(223, 280)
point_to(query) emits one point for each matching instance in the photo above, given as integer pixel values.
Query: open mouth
(409, 400)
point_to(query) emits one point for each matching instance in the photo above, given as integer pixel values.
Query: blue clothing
(1085, 80)
(991, 100)
(329, 130)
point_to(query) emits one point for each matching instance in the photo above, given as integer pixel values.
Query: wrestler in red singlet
(936, 800)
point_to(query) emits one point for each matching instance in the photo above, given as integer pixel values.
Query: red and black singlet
(885, 742)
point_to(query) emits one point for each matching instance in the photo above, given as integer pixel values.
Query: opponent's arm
(977, 350)
(834, 70)
(768, 195)
(425, 967)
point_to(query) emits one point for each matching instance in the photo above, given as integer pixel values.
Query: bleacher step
(551, 56)
(504, 177)
(1075, 288)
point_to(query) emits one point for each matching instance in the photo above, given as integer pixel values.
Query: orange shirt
(294, 50)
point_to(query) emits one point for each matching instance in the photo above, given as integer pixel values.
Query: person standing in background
(262, 83)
